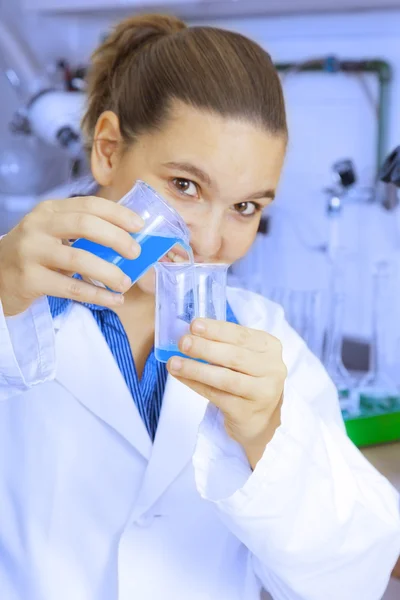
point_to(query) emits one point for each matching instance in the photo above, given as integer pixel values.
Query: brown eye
(185, 186)
(247, 209)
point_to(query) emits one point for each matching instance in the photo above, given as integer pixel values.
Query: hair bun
(134, 33)
(117, 51)
(149, 61)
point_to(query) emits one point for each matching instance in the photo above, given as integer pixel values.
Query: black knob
(346, 172)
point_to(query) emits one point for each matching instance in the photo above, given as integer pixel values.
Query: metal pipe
(380, 68)
(21, 67)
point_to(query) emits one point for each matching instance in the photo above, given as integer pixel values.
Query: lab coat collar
(88, 370)
(181, 414)
(107, 396)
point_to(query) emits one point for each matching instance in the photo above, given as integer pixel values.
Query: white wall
(330, 118)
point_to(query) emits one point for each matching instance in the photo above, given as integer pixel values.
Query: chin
(147, 283)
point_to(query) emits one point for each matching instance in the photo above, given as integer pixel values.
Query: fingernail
(198, 327)
(126, 282)
(136, 249)
(118, 299)
(175, 364)
(137, 222)
(186, 344)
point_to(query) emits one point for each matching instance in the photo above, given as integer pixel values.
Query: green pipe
(380, 68)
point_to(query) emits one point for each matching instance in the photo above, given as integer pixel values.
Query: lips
(174, 257)
(179, 255)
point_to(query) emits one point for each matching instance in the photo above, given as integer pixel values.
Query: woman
(269, 492)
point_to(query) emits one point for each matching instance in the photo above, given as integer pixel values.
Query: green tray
(376, 423)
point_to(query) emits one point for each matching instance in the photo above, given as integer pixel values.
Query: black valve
(346, 172)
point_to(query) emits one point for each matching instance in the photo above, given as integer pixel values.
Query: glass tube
(378, 388)
(303, 313)
(333, 362)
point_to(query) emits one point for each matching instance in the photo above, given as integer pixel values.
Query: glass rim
(188, 264)
(139, 183)
(161, 199)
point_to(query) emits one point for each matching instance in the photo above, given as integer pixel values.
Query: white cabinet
(210, 8)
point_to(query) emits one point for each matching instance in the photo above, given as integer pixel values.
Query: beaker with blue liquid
(183, 293)
(163, 229)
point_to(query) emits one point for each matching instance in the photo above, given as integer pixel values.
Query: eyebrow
(259, 195)
(191, 169)
(202, 175)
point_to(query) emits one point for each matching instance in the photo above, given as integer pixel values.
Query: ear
(106, 148)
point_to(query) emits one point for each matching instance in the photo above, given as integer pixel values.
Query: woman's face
(218, 173)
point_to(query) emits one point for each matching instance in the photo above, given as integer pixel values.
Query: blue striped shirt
(147, 391)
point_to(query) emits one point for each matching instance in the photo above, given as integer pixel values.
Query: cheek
(147, 283)
(237, 241)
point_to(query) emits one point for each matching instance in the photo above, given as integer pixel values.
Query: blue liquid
(153, 248)
(164, 354)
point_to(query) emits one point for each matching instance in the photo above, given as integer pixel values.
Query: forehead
(219, 145)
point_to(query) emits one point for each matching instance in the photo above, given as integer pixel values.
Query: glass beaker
(303, 313)
(184, 292)
(163, 229)
(377, 388)
(333, 362)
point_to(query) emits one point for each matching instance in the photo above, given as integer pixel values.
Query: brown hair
(148, 61)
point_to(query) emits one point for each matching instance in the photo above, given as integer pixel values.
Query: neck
(138, 306)
(137, 318)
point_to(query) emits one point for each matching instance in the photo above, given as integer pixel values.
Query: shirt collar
(60, 305)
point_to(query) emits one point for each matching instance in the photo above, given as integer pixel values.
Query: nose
(206, 238)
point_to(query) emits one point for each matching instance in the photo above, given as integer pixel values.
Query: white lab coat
(90, 510)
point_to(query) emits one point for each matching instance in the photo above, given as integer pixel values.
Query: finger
(105, 209)
(89, 227)
(220, 378)
(69, 273)
(71, 260)
(230, 333)
(236, 358)
(61, 286)
(227, 403)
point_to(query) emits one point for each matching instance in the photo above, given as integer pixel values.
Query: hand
(245, 378)
(35, 262)
(396, 570)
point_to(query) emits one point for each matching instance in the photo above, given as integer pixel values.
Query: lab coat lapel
(181, 414)
(88, 370)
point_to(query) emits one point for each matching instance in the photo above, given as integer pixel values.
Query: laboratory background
(328, 249)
